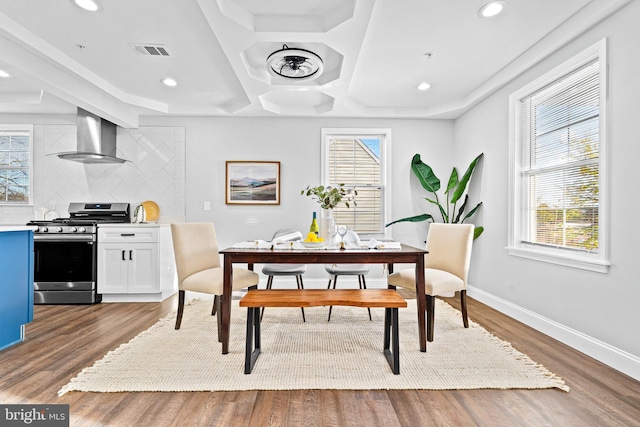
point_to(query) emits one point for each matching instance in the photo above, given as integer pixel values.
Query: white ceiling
(375, 53)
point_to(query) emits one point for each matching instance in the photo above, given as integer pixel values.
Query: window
(558, 141)
(358, 158)
(15, 164)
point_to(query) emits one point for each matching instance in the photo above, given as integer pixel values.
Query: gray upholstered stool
(296, 270)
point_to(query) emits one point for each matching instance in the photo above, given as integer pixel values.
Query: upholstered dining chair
(199, 268)
(297, 270)
(360, 270)
(446, 268)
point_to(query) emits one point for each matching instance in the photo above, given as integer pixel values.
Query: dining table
(250, 256)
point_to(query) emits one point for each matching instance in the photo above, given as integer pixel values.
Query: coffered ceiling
(374, 54)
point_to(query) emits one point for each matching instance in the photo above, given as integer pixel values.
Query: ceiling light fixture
(492, 9)
(294, 64)
(4, 74)
(90, 5)
(168, 81)
(424, 86)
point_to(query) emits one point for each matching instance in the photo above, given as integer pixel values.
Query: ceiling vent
(150, 49)
(294, 64)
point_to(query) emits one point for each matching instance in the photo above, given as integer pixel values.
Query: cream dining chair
(446, 268)
(199, 268)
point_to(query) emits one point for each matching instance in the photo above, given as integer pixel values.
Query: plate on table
(312, 244)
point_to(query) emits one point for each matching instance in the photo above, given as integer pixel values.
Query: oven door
(64, 266)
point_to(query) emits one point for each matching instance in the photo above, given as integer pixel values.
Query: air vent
(150, 49)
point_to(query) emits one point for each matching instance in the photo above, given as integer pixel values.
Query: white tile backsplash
(156, 171)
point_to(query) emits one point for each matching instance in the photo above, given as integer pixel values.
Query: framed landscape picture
(252, 183)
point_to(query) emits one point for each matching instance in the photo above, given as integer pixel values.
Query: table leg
(225, 309)
(421, 298)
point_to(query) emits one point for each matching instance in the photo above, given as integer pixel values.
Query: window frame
(7, 128)
(597, 262)
(385, 165)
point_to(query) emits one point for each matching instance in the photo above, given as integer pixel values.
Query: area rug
(345, 353)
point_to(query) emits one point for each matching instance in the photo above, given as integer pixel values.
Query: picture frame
(252, 182)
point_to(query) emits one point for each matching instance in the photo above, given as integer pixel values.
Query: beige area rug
(343, 354)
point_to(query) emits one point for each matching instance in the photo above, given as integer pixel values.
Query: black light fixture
(294, 64)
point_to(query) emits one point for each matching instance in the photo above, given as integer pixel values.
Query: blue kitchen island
(16, 283)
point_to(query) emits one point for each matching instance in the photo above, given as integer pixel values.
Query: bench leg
(391, 335)
(252, 352)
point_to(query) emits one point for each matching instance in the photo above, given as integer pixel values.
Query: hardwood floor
(64, 339)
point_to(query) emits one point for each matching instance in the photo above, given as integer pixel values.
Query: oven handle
(66, 238)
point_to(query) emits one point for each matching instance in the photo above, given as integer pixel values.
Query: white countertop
(134, 224)
(16, 227)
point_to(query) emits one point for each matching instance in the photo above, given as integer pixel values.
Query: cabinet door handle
(127, 234)
(131, 255)
(123, 258)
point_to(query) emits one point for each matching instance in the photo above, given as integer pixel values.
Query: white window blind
(15, 164)
(356, 158)
(561, 159)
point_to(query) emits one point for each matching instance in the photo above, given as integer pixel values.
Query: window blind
(560, 165)
(356, 164)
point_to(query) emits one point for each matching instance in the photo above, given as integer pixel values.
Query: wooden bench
(388, 299)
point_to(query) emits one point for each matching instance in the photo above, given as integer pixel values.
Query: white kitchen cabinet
(132, 263)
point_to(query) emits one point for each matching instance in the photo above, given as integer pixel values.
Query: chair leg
(463, 306)
(431, 305)
(214, 309)
(217, 303)
(269, 285)
(335, 280)
(363, 285)
(301, 286)
(180, 308)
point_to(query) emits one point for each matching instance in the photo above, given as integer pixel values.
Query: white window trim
(385, 152)
(29, 129)
(588, 261)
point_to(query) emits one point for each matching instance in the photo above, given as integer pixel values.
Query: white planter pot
(326, 223)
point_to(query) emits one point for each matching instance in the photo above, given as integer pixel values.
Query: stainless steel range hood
(96, 140)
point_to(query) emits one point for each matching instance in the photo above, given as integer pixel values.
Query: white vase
(326, 223)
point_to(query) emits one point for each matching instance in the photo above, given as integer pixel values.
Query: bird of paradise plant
(456, 187)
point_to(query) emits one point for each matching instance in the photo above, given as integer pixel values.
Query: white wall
(592, 311)
(295, 142)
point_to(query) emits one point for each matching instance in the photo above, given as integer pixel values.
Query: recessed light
(90, 5)
(492, 9)
(424, 86)
(3, 73)
(168, 81)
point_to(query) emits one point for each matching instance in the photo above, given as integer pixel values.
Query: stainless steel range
(65, 267)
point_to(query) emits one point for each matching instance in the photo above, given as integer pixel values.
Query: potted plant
(454, 191)
(329, 197)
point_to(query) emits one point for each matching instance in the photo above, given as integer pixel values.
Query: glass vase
(326, 223)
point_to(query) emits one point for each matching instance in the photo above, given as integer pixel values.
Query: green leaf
(432, 201)
(472, 211)
(417, 218)
(453, 181)
(462, 185)
(427, 178)
(477, 232)
(461, 210)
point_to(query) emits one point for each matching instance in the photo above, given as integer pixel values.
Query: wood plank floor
(64, 339)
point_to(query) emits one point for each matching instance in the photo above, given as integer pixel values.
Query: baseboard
(614, 357)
